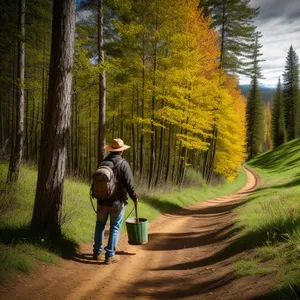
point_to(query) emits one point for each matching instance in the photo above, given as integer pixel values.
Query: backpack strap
(117, 163)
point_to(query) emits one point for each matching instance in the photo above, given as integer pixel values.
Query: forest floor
(184, 259)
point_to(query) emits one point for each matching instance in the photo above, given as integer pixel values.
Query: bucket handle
(136, 214)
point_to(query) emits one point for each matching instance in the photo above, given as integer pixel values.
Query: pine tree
(234, 21)
(255, 107)
(292, 95)
(102, 85)
(47, 211)
(278, 120)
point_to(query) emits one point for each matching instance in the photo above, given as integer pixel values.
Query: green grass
(19, 248)
(269, 221)
(246, 267)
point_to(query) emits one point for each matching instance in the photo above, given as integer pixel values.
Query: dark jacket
(124, 177)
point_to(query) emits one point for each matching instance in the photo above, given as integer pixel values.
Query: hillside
(270, 221)
(266, 92)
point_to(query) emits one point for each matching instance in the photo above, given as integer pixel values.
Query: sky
(279, 23)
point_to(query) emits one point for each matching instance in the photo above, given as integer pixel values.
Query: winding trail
(184, 259)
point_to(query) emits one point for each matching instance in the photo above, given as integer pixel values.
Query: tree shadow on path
(220, 243)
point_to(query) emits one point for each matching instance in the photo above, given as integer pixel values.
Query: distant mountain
(266, 92)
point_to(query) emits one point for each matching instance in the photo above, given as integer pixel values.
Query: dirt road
(182, 260)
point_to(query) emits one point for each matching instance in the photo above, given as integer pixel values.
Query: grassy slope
(270, 221)
(19, 249)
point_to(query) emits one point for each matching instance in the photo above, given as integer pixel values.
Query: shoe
(111, 259)
(97, 256)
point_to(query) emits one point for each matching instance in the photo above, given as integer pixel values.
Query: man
(115, 207)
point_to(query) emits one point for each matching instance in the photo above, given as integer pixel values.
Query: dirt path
(183, 259)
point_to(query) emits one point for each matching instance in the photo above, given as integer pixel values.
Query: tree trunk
(213, 154)
(102, 86)
(121, 118)
(113, 118)
(133, 135)
(137, 128)
(180, 164)
(153, 129)
(142, 142)
(169, 154)
(161, 155)
(32, 129)
(183, 167)
(16, 157)
(52, 163)
(1, 124)
(36, 142)
(26, 126)
(173, 177)
(90, 137)
(76, 133)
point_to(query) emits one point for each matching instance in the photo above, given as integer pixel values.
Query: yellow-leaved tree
(230, 151)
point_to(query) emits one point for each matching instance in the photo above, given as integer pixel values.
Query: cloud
(269, 9)
(279, 23)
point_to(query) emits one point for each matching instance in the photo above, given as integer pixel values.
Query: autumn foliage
(166, 91)
(167, 95)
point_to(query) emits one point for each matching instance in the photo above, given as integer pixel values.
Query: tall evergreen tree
(234, 21)
(255, 107)
(49, 193)
(102, 86)
(278, 122)
(292, 95)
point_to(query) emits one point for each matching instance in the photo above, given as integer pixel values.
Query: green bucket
(137, 231)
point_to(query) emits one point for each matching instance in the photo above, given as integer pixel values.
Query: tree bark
(16, 157)
(133, 134)
(161, 155)
(52, 163)
(31, 146)
(183, 167)
(36, 141)
(169, 154)
(142, 142)
(153, 129)
(113, 117)
(26, 126)
(76, 133)
(102, 86)
(1, 124)
(90, 137)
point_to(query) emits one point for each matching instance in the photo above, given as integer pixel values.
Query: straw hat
(116, 145)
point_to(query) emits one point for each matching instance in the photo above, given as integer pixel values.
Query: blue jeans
(116, 214)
